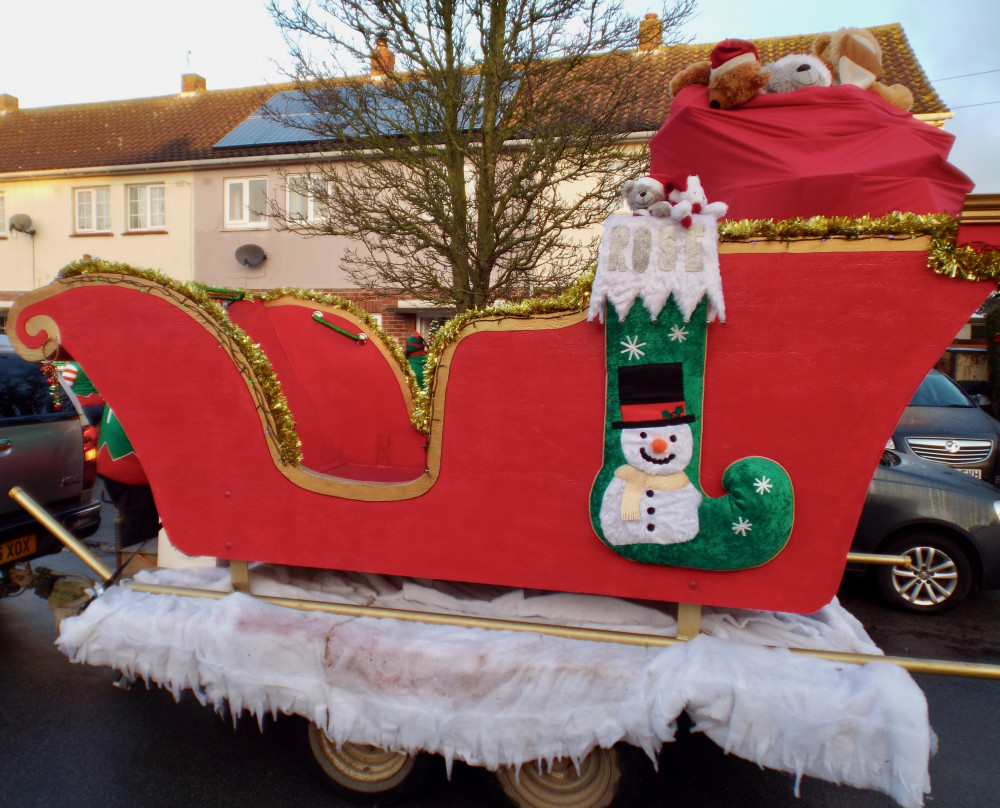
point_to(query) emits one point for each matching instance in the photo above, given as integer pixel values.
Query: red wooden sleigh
(825, 340)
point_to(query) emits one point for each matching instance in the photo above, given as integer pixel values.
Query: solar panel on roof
(290, 117)
(262, 128)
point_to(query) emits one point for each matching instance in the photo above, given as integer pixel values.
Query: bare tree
(484, 139)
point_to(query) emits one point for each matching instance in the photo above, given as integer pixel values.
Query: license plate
(19, 548)
(977, 473)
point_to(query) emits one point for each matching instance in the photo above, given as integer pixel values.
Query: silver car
(947, 523)
(48, 448)
(944, 425)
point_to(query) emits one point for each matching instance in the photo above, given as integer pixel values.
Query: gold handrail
(911, 664)
(879, 558)
(22, 498)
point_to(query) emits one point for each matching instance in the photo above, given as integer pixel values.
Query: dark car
(946, 522)
(944, 425)
(48, 448)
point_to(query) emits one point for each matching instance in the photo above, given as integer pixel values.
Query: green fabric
(415, 345)
(417, 366)
(113, 436)
(82, 385)
(760, 497)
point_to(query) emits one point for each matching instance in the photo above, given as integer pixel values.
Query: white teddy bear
(795, 71)
(692, 199)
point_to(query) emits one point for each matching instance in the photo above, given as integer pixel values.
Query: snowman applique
(650, 499)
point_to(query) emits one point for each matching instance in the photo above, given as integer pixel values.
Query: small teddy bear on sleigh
(657, 195)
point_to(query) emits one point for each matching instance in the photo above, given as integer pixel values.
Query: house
(168, 183)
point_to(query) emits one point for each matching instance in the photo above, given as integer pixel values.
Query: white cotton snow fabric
(494, 698)
(652, 259)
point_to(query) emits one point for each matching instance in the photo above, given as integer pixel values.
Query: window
(307, 199)
(93, 210)
(145, 207)
(246, 203)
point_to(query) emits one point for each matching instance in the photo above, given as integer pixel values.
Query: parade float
(602, 511)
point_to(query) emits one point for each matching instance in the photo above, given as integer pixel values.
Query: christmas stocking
(657, 287)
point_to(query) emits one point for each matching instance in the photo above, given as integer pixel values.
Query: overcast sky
(67, 51)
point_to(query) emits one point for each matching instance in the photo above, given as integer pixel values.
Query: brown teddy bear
(733, 74)
(855, 57)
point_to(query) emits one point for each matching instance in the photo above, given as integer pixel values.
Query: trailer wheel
(368, 774)
(605, 779)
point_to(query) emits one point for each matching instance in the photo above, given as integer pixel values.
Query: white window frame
(92, 224)
(313, 210)
(248, 219)
(141, 213)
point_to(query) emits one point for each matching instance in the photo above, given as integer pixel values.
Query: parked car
(946, 522)
(978, 390)
(944, 425)
(48, 448)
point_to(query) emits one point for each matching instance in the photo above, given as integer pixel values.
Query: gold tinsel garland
(285, 434)
(333, 301)
(945, 257)
(575, 298)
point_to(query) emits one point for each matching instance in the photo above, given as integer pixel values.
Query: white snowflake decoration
(742, 526)
(633, 347)
(678, 334)
(763, 485)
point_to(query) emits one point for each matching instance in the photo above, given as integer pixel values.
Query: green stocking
(647, 502)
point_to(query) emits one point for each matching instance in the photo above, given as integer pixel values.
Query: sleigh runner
(621, 442)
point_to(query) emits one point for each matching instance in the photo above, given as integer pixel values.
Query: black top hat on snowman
(651, 395)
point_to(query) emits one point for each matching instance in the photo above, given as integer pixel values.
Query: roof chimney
(192, 84)
(650, 33)
(383, 60)
(8, 103)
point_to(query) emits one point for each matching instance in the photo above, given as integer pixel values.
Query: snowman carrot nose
(659, 445)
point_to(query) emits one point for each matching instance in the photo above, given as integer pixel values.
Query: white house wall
(292, 259)
(27, 262)
(195, 242)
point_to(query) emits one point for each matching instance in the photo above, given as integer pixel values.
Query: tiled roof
(138, 131)
(185, 127)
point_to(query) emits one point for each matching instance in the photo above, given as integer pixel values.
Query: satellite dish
(250, 255)
(21, 222)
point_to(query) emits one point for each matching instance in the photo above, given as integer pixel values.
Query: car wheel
(938, 578)
(366, 774)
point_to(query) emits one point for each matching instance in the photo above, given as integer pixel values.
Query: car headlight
(890, 444)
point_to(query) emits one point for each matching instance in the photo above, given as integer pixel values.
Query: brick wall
(397, 324)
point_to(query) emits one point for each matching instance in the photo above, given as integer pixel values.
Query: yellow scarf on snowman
(637, 481)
